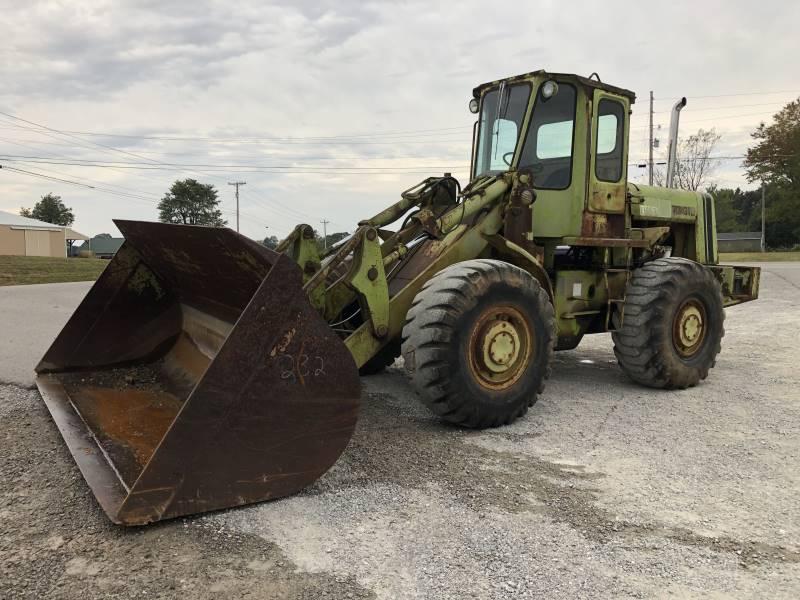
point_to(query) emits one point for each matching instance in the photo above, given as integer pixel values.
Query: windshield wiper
(498, 113)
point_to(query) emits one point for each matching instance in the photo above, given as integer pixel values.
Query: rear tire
(478, 342)
(672, 327)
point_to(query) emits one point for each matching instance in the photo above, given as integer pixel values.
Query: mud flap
(196, 375)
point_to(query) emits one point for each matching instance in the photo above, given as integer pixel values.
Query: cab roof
(585, 81)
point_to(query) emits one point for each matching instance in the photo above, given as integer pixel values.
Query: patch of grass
(759, 256)
(23, 270)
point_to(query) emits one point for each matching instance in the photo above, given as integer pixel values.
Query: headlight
(549, 89)
(473, 106)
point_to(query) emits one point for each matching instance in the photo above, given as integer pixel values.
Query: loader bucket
(196, 375)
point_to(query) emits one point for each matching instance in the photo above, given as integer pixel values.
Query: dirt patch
(57, 543)
(389, 447)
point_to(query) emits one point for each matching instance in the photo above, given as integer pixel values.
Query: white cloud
(253, 69)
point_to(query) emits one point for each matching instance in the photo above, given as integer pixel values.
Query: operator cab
(570, 133)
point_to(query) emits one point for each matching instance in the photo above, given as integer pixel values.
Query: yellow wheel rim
(500, 347)
(689, 328)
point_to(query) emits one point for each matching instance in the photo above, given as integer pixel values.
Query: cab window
(609, 143)
(548, 148)
(502, 112)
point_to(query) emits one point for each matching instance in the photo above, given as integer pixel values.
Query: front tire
(478, 342)
(672, 326)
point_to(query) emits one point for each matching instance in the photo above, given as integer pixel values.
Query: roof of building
(74, 235)
(740, 235)
(7, 218)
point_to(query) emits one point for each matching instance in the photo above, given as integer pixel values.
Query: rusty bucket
(196, 375)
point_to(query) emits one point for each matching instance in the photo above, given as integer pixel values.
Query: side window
(610, 141)
(549, 144)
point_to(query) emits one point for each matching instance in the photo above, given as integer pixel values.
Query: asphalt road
(30, 317)
(605, 489)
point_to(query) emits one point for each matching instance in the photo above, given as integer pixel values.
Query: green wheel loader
(204, 371)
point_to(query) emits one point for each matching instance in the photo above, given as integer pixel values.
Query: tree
(775, 161)
(191, 203)
(271, 242)
(331, 239)
(738, 210)
(50, 209)
(783, 217)
(726, 213)
(694, 166)
(776, 156)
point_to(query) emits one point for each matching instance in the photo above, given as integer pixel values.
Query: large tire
(672, 325)
(478, 341)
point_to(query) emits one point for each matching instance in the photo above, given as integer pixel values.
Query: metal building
(22, 236)
(739, 241)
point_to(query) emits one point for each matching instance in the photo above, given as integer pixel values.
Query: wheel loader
(205, 371)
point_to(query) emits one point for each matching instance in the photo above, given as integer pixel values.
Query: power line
(738, 157)
(292, 218)
(692, 97)
(99, 145)
(262, 154)
(718, 118)
(66, 163)
(31, 173)
(123, 195)
(184, 166)
(206, 172)
(285, 169)
(725, 107)
(73, 176)
(222, 139)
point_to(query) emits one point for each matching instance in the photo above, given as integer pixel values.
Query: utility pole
(763, 217)
(237, 184)
(324, 234)
(650, 160)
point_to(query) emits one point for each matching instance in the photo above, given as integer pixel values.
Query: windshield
(500, 122)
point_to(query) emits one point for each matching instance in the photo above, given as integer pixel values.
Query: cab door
(609, 155)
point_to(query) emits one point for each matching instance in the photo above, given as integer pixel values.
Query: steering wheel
(508, 160)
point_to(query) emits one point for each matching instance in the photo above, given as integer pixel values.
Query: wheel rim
(500, 347)
(689, 328)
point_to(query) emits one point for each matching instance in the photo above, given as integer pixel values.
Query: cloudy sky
(329, 109)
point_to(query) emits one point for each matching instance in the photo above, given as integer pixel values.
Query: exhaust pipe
(673, 139)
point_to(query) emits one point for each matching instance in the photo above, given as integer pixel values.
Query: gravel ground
(605, 489)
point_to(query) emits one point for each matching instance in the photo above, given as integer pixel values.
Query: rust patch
(128, 423)
(608, 198)
(602, 225)
(594, 225)
(280, 347)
